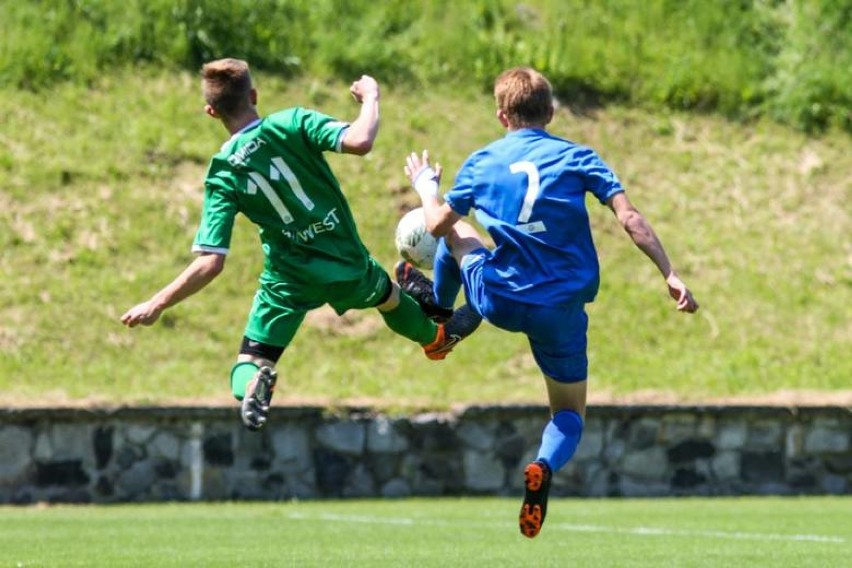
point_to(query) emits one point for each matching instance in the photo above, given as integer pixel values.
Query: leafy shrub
(789, 59)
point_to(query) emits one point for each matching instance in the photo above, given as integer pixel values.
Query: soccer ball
(413, 242)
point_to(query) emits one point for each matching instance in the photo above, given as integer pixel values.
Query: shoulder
(284, 116)
(567, 144)
(299, 117)
(218, 163)
(298, 114)
(579, 154)
(470, 164)
(311, 121)
(220, 172)
(483, 153)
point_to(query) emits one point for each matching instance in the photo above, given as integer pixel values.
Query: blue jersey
(529, 192)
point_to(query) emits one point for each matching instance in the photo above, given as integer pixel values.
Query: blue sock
(560, 438)
(447, 276)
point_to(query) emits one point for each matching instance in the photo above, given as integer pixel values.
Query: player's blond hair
(525, 97)
(226, 84)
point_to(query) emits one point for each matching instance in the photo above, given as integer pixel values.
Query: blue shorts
(557, 334)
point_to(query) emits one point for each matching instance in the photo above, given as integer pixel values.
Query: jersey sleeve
(217, 220)
(460, 197)
(599, 178)
(321, 131)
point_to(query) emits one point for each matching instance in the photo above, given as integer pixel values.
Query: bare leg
(567, 396)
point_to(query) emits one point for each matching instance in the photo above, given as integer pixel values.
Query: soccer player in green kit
(272, 170)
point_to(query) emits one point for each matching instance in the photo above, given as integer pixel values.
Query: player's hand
(681, 294)
(415, 165)
(365, 88)
(141, 314)
(422, 175)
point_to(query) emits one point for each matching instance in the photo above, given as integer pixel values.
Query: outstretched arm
(440, 217)
(359, 137)
(196, 276)
(646, 240)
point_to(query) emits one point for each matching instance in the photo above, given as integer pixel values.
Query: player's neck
(236, 124)
(527, 127)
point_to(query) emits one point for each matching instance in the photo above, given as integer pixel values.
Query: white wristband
(425, 184)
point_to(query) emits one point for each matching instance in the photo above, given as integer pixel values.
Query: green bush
(810, 86)
(791, 60)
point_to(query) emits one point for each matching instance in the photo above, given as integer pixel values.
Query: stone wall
(164, 454)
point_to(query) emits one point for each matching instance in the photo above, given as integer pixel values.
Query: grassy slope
(101, 196)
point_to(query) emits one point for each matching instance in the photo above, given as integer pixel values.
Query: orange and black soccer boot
(536, 488)
(463, 322)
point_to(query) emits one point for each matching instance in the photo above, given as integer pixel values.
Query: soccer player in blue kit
(528, 191)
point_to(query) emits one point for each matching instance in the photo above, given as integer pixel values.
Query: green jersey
(273, 172)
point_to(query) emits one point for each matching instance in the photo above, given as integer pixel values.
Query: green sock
(241, 374)
(408, 320)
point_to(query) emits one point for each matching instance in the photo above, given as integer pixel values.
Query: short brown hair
(525, 96)
(226, 84)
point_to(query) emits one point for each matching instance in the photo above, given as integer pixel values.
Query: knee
(567, 396)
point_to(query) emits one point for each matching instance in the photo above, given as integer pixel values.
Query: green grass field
(777, 532)
(102, 193)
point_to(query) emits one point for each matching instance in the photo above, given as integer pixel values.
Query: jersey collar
(527, 132)
(245, 128)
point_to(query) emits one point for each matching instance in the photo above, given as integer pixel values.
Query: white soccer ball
(413, 242)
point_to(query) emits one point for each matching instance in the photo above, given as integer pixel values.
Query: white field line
(635, 531)
(736, 535)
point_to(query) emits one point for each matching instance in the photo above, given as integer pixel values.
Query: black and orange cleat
(255, 407)
(418, 286)
(534, 509)
(463, 322)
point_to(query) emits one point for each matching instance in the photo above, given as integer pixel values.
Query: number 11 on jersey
(278, 169)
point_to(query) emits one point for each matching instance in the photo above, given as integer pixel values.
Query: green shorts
(279, 307)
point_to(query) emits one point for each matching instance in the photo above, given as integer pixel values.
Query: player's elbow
(631, 220)
(435, 229)
(217, 269)
(362, 149)
(436, 224)
(638, 230)
(440, 219)
(439, 228)
(358, 145)
(212, 265)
